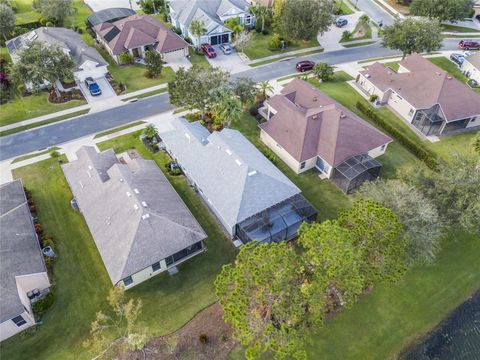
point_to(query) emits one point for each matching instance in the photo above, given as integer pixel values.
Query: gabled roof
(139, 30)
(308, 123)
(424, 85)
(65, 38)
(19, 247)
(134, 215)
(208, 11)
(234, 176)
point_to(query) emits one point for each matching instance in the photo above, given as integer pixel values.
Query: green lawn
(450, 67)
(323, 194)
(343, 7)
(456, 28)
(309, 52)
(29, 156)
(259, 48)
(367, 33)
(80, 277)
(198, 59)
(25, 13)
(395, 65)
(22, 108)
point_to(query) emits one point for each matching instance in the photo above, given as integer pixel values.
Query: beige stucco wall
(401, 106)
(378, 151)
(281, 152)
(474, 122)
(371, 89)
(8, 327)
(175, 55)
(473, 72)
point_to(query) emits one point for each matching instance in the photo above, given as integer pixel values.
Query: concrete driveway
(231, 63)
(97, 5)
(178, 63)
(107, 91)
(330, 40)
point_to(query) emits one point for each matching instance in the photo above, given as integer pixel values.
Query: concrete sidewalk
(283, 54)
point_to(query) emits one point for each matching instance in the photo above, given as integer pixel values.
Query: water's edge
(456, 337)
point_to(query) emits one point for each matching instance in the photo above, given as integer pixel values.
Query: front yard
(80, 278)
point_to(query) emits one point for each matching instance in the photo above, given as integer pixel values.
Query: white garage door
(174, 55)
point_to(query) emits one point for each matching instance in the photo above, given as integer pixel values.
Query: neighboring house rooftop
(474, 60)
(308, 123)
(208, 11)
(139, 30)
(134, 215)
(109, 15)
(424, 85)
(65, 38)
(236, 178)
(20, 252)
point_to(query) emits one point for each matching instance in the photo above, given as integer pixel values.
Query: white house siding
(378, 151)
(8, 327)
(370, 88)
(474, 122)
(146, 274)
(401, 106)
(471, 71)
(282, 153)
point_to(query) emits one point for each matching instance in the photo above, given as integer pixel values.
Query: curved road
(58, 133)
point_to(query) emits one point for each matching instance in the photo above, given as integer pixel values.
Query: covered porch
(354, 171)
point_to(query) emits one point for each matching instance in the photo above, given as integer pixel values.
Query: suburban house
(471, 67)
(213, 14)
(109, 15)
(249, 196)
(139, 223)
(424, 95)
(137, 34)
(88, 61)
(23, 275)
(307, 129)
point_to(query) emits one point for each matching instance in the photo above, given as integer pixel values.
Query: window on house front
(156, 266)
(302, 165)
(128, 280)
(410, 113)
(19, 320)
(383, 147)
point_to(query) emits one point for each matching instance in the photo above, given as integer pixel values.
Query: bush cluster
(427, 157)
(41, 306)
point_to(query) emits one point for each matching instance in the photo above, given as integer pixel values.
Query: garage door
(219, 39)
(173, 55)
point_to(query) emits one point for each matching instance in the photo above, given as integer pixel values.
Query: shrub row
(426, 156)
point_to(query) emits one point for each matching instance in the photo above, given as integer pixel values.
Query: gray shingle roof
(19, 248)
(134, 215)
(188, 10)
(66, 38)
(234, 175)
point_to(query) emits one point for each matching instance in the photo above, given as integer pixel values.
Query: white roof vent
(129, 193)
(238, 162)
(136, 191)
(228, 152)
(146, 216)
(367, 76)
(121, 179)
(251, 173)
(135, 206)
(89, 175)
(144, 204)
(90, 167)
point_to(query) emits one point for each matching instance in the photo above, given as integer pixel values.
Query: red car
(209, 50)
(305, 65)
(469, 44)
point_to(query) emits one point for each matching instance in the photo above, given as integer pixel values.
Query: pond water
(457, 337)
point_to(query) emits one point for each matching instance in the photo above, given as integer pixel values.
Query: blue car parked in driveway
(92, 86)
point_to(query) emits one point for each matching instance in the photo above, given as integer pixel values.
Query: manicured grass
(4, 54)
(147, 94)
(345, 9)
(394, 65)
(451, 67)
(460, 29)
(359, 44)
(42, 123)
(310, 52)
(25, 13)
(117, 129)
(460, 144)
(365, 28)
(323, 194)
(259, 48)
(30, 156)
(82, 11)
(198, 59)
(81, 281)
(23, 108)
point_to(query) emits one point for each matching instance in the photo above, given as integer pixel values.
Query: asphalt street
(375, 12)
(58, 133)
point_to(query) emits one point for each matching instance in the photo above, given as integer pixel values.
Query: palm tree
(228, 109)
(264, 87)
(260, 12)
(150, 131)
(197, 29)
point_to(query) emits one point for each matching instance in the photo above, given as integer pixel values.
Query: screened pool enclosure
(354, 171)
(280, 222)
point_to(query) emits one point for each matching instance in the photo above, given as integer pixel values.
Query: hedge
(426, 156)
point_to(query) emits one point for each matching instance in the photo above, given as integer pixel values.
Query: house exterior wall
(378, 151)
(282, 153)
(371, 89)
(8, 328)
(174, 55)
(96, 73)
(401, 106)
(474, 122)
(471, 71)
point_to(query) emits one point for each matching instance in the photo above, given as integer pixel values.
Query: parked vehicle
(226, 48)
(341, 22)
(92, 86)
(209, 51)
(469, 44)
(457, 58)
(305, 65)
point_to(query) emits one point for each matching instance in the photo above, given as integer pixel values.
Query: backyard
(80, 278)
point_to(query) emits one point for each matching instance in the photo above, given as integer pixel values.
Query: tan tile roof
(425, 85)
(308, 123)
(139, 30)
